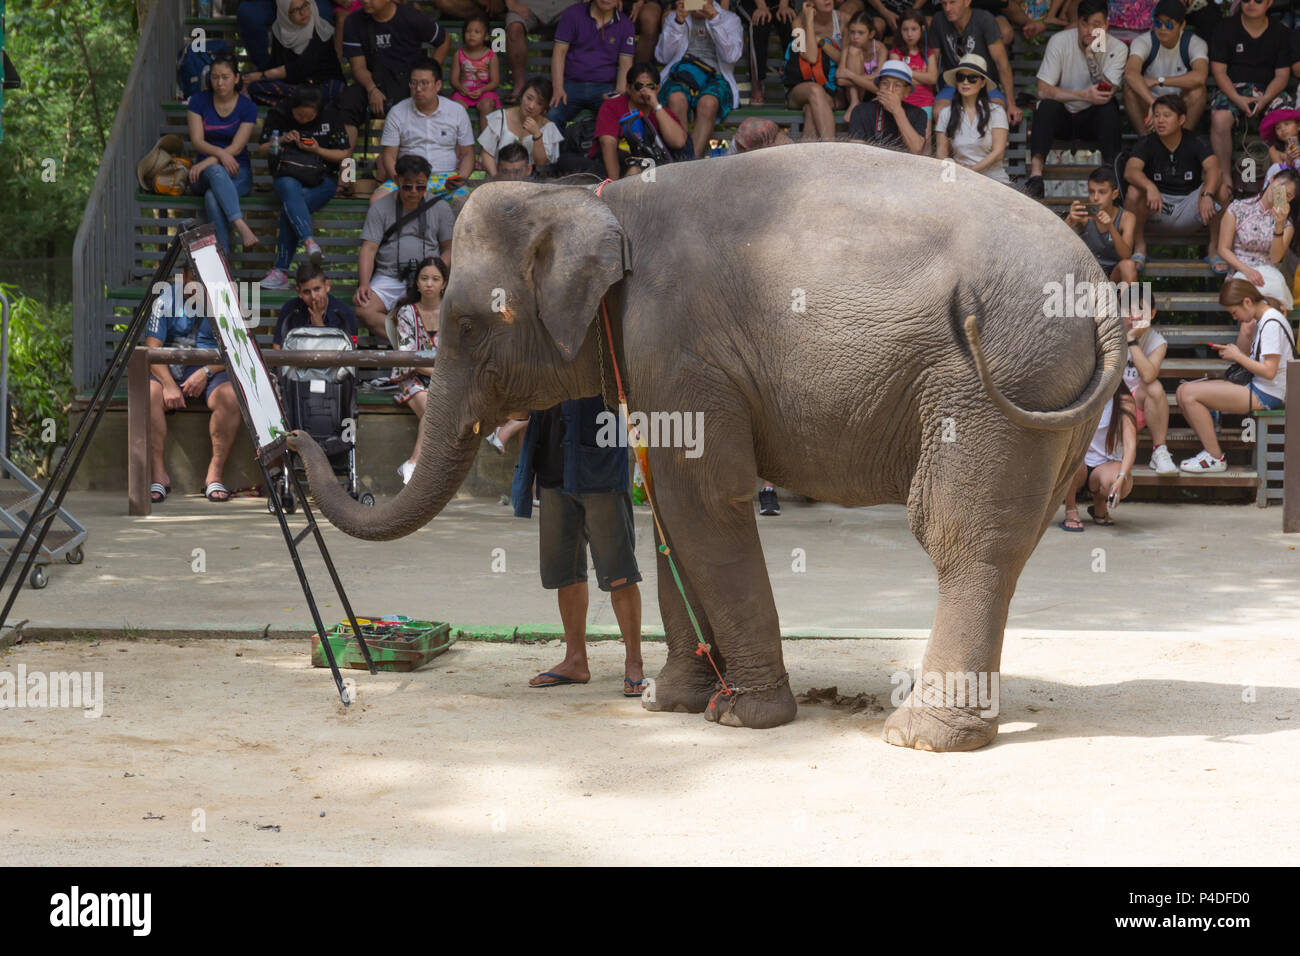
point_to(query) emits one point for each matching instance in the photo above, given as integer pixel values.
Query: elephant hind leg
(978, 547)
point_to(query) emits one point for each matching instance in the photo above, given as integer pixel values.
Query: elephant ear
(578, 249)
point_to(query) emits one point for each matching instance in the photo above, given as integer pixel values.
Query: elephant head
(531, 263)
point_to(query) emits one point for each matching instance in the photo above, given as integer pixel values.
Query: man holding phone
(1172, 178)
(1078, 82)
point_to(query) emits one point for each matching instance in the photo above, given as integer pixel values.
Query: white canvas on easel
(244, 364)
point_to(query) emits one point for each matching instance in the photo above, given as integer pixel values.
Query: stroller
(322, 402)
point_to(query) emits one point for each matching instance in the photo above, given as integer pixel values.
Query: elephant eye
(466, 328)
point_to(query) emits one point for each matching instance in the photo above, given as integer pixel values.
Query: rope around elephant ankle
(702, 648)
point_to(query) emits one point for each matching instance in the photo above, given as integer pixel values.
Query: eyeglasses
(420, 84)
(645, 86)
(299, 8)
(1164, 24)
(1255, 1)
(414, 187)
(968, 77)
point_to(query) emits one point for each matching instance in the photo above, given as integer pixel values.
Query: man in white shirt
(1076, 91)
(428, 125)
(1169, 59)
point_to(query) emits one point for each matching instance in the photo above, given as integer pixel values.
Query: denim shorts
(570, 522)
(1268, 401)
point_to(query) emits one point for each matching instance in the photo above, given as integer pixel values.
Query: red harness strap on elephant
(644, 460)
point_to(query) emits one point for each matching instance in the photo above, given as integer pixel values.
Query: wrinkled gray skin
(845, 401)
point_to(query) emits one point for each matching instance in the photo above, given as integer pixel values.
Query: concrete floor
(1198, 570)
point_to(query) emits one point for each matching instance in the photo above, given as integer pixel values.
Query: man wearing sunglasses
(1250, 60)
(390, 252)
(634, 124)
(1169, 59)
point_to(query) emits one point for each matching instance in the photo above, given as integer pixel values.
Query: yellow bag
(174, 178)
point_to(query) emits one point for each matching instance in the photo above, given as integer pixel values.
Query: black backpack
(1184, 49)
(579, 135)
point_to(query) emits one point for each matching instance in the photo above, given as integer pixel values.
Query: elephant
(854, 324)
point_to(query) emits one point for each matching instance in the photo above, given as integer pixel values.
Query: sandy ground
(1112, 751)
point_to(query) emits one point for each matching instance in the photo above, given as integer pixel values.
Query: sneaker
(767, 503)
(1203, 464)
(312, 248)
(1034, 187)
(275, 279)
(495, 441)
(1162, 463)
(406, 469)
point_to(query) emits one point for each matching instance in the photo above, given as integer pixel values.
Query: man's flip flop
(158, 492)
(216, 488)
(629, 682)
(559, 681)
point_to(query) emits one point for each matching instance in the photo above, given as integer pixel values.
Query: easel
(268, 436)
(43, 514)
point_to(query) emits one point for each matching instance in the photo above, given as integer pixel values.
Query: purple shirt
(594, 51)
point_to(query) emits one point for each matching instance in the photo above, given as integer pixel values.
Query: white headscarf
(294, 37)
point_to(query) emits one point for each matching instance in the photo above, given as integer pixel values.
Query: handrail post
(1291, 463)
(137, 433)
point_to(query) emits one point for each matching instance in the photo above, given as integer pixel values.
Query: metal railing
(102, 253)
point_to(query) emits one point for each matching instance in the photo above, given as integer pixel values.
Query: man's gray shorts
(1178, 214)
(570, 522)
(540, 12)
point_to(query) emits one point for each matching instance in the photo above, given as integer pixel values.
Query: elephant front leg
(725, 559)
(687, 680)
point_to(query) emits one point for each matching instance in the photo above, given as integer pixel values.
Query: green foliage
(74, 59)
(40, 379)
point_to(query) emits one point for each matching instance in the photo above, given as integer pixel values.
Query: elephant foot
(768, 705)
(939, 729)
(677, 695)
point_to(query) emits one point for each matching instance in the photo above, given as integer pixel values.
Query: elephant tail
(1105, 379)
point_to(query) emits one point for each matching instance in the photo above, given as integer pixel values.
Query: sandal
(634, 684)
(216, 491)
(1104, 520)
(1218, 265)
(1139, 261)
(1069, 523)
(158, 492)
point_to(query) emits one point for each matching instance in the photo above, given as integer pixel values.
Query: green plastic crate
(396, 643)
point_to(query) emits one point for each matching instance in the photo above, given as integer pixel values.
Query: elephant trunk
(447, 452)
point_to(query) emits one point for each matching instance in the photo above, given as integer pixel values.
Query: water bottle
(275, 142)
(205, 8)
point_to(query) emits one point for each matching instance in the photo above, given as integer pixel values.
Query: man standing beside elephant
(584, 494)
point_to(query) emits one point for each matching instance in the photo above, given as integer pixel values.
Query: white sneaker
(495, 441)
(1203, 464)
(1162, 463)
(406, 469)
